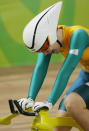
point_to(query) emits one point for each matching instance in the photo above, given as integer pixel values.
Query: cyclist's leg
(77, 104)
(82, 78)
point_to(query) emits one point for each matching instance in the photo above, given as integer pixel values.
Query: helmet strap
(59, 43)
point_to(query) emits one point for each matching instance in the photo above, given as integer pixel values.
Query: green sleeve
(38, 75)
(79, 41)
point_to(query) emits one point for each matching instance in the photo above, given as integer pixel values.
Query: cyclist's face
(45, 46)
(54, 48)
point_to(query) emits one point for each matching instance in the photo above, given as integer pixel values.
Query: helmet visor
(45, 45)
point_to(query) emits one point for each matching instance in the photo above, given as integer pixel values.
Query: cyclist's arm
(38, 75)
(79, 41)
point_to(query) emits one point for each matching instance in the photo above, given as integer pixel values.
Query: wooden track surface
(14, 84)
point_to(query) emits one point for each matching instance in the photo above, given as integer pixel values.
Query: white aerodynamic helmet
(43, 26)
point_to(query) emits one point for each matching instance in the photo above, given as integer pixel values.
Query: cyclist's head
(41, 31)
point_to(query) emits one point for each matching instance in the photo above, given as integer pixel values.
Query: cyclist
(42, 35)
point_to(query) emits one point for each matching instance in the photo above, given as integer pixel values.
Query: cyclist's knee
(74, 101)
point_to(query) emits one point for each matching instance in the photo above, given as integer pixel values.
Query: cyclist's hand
(26, 103)
(39, 105)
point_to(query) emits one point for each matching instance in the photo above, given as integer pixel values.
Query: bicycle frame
(41, 121)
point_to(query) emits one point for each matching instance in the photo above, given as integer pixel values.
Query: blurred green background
(15, 14)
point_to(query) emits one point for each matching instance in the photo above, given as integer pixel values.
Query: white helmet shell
(42, 26)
